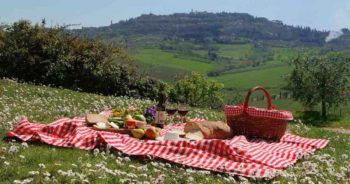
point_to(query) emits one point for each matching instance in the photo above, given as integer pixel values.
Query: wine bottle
(160, 110)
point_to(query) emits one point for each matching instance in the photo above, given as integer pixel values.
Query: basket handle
(251, 90)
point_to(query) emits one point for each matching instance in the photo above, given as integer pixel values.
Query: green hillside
(157, 57)
(267, 77)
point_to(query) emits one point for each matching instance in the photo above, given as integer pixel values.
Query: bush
(197, 90)
(56, 57)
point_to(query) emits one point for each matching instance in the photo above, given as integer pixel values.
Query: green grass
(269, 78)
(237, 51)
(44, 104)
(168, 74)
(157, 57)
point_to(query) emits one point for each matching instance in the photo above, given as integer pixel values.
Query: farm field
(267, 77)
(157, 57)
(165, 65)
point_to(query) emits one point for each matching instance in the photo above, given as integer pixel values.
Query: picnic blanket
(250, 158)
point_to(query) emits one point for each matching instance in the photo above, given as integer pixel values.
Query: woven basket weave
(257, 122)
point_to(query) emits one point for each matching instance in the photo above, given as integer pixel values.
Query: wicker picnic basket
(257, 122)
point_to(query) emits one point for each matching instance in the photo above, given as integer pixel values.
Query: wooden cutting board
(120, 130)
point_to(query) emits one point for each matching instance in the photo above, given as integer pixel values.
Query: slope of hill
(203, 26)
(39, 163)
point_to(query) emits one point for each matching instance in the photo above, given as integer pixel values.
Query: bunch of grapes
(150, 113)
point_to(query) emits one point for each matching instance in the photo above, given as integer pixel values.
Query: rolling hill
(237, 49)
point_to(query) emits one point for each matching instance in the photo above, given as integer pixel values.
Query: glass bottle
(160, 111)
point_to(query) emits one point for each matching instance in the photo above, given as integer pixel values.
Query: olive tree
(320, 79)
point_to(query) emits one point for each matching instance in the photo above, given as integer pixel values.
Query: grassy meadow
(267, 77)
(157, 57)
(38, 163)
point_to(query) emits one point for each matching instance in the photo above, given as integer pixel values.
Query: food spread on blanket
(128, 122)
(136, 125)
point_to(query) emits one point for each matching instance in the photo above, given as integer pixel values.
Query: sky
(319, 14)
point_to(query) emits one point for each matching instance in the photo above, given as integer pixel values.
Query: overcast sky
(319, 14)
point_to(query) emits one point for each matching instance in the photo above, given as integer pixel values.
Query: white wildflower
(345, 156)
(13, 149)
(33, 172)
(96, 151)
(25, 181)
(46, 178)
(118, 161)
(144, 175)
(203, 172)
(190, 171)
(58, 164)
(154, 164)
(226, 179)
(24, 145)
(142, 168)
(42, 166)
(46, 174)
(160, 179)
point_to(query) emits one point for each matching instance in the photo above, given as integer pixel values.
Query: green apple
(140, 117)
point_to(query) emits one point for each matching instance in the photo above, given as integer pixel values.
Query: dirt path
(338, 130)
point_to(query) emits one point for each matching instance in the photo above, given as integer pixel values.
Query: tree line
(53, 56)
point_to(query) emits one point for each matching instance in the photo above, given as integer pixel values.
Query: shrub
(197, 90)
(33, 53)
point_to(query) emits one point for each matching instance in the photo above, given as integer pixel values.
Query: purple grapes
(150, 113)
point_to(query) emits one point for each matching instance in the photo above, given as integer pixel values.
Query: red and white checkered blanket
(250, 158)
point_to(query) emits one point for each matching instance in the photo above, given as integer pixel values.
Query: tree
(2, 35)
(320, 79)
(197, 90)
(212, 55)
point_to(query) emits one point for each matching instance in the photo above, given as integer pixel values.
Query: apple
(152, 133)
(138, 133)
(140, 117)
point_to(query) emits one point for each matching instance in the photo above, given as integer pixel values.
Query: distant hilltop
(222, 27)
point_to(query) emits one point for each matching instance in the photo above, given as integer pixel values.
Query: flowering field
(37, 163)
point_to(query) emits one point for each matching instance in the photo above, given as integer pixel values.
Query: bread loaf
(210, 129)
(96, 118)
